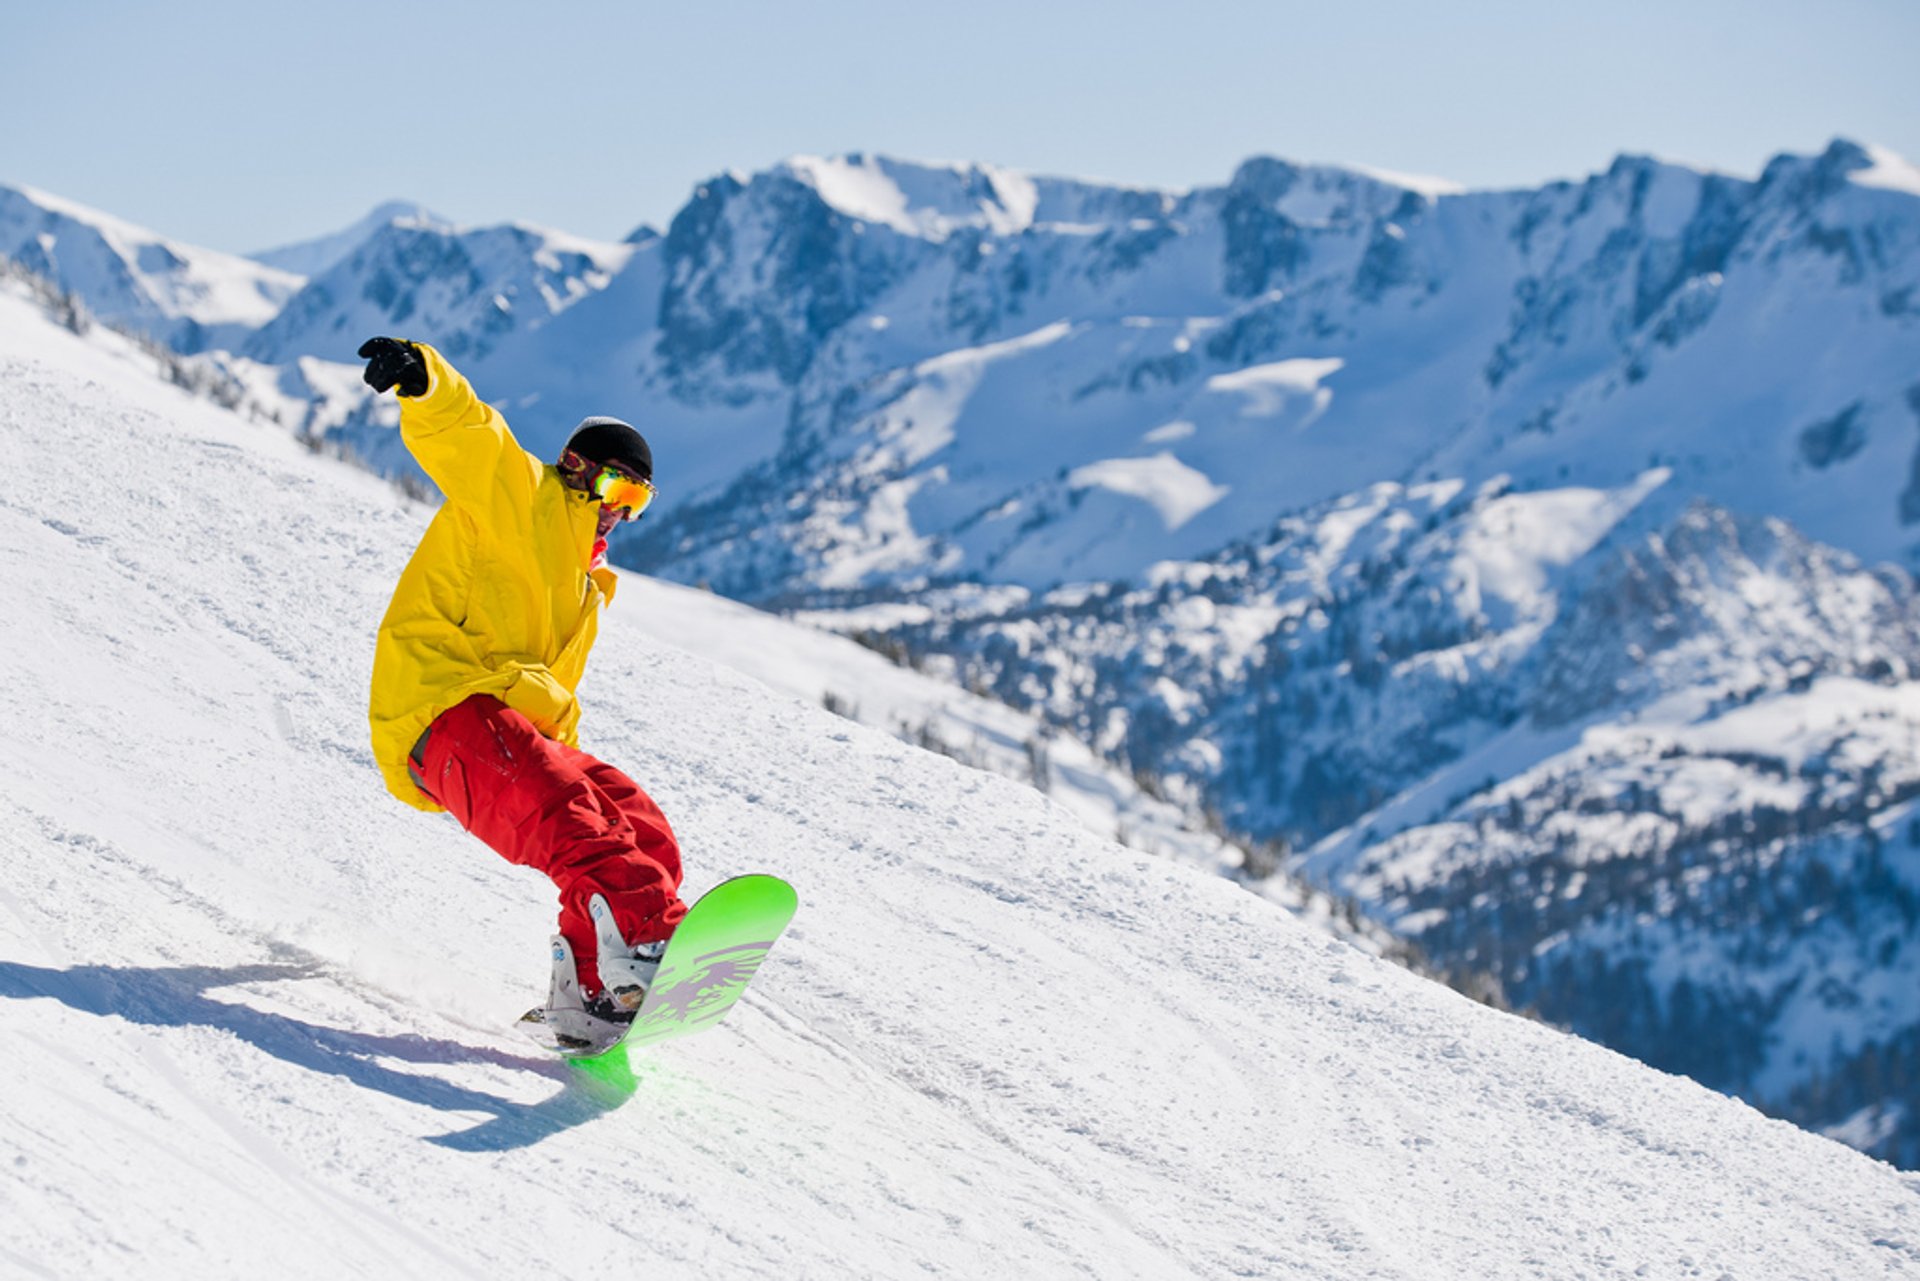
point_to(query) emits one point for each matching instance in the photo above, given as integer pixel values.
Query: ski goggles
(613, 486)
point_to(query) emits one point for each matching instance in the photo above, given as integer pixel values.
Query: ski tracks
(383, 1242)
(179, 1083)
(951, 1106)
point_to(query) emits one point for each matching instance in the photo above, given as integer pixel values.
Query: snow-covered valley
(256, 1015)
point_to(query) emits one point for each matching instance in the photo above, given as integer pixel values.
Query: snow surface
(820, 667)
(1889, 171)
(1509, 554)
(1178, 492)
(920, 199)
(1268, 388)
(255, 1013)
(1427, 185)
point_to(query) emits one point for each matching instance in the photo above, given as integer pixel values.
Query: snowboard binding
(569, 1023)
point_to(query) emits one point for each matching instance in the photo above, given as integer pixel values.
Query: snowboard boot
(569, 1022)
(626, 969)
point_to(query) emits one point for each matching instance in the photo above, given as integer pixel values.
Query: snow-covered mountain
(309, 258)
(255, 1013)
(1058, 396)
(471, 289)
(1330, 503)
(189, 298)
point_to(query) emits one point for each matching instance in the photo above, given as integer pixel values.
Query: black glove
(394, 362)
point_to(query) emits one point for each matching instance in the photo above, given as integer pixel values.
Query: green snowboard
(709, 962)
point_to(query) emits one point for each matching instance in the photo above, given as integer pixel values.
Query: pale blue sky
(242, 125)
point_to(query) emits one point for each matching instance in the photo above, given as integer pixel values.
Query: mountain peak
(313, 257)
(1882, 167)
(1844, 162)
(925, 200)
(1326, 194)
(181, 294)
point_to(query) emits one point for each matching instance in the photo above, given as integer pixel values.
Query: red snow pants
(544, 805)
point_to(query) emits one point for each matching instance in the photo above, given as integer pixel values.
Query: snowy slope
(930, 710)
(864, 686)
(190, 298)
(254, 1012)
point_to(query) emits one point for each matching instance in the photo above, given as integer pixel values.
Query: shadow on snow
(176, 996)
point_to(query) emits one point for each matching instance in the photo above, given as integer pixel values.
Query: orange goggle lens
(617, 489)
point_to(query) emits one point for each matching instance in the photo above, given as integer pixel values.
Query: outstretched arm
(461, 441)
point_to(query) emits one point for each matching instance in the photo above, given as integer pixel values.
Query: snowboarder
(473, 707)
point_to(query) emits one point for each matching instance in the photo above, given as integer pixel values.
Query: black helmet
(608, 440)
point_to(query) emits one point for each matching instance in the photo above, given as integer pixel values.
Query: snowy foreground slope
(254, 1014)
(932, 711)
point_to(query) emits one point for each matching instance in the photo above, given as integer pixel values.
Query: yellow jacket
(500, 597)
